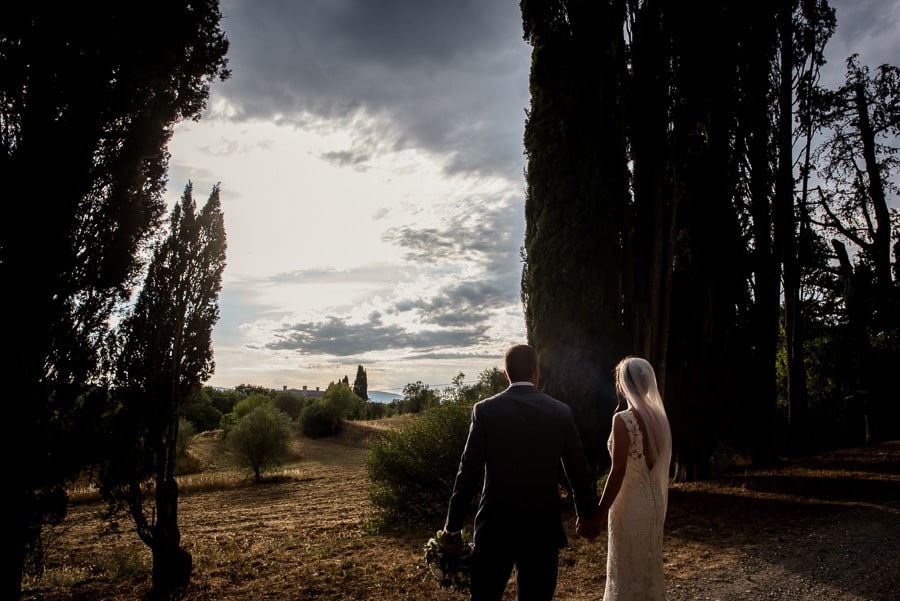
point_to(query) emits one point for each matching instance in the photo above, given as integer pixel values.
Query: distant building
(315, 394)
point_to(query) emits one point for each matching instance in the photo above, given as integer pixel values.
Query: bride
(636, 492)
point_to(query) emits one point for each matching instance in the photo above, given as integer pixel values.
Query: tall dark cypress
(166, 356)
(361, 384)
(90, 94)
(576, 191)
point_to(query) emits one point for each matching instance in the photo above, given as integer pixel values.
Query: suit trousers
(536, 567)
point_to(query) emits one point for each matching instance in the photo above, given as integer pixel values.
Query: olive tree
(261, 439)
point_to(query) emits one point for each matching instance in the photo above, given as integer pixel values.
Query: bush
(412, 470)
(376, 410)
(243, 408)
(228, 421)
(318, 419)
(202, 415)
(246, 405)
(261, 439)
(289, 403)
(186, 432)
(223, 400)
(342, 401)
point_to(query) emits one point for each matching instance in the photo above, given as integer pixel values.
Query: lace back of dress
(636, 448)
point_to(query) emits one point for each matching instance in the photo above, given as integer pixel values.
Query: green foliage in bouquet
(449, 572)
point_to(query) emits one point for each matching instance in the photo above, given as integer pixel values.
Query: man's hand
(590, 527)
(452, 543)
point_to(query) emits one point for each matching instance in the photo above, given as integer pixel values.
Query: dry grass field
(825, 527)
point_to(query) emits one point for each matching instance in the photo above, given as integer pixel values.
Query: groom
(512, 456)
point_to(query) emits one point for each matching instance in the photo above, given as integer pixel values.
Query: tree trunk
(881, 252)
(172, 569)
(786, 242)
(650, 238)
(766, 273)
(172, 565)
(710, 272)
(860, 346)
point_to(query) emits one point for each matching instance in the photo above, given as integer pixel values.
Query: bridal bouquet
(450, 572)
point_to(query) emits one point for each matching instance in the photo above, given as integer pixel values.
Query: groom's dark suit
(516, 441)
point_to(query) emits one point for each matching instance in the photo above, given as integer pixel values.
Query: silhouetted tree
(860, 121)
(490, 381)
(576, 192)
(166, 355)
(89, 95)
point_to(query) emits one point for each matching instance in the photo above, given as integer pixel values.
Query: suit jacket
(516, 442)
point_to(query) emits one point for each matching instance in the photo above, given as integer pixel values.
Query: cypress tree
(90, 93)
(361, 384)
(576, 192)
(166, 356)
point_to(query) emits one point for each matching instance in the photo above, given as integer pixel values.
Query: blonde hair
(636, 383)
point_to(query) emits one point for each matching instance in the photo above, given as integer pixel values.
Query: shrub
(318, 419)
(412, 470)
(261, 439)
(243, 408)
(223, 400)
(376, 410)
(131, 563)
(342, 401)
(228, 421)
(203, 415)
(246, 405)
(186, 432)
(289, 403)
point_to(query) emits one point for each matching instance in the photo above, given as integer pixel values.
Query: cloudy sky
(371, 166)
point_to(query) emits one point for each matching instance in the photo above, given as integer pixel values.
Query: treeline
(415, 462)
(214, 408)
(694, 196)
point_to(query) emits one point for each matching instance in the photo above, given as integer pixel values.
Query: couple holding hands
(516, 442)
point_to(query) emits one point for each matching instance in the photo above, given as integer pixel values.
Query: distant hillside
(377, 396)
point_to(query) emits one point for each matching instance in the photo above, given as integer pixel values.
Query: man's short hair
(521, 362)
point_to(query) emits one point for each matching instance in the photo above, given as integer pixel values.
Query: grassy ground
(822, 527)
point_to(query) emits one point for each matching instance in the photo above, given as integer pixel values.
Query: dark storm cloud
(455, 316)
(450, 77)
(459, 356)
(348, 158)
(875, 40)
(464, 304)
(482, 232)
(344, 339)
(859, 31)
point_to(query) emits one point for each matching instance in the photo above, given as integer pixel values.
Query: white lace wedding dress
(634, 564)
